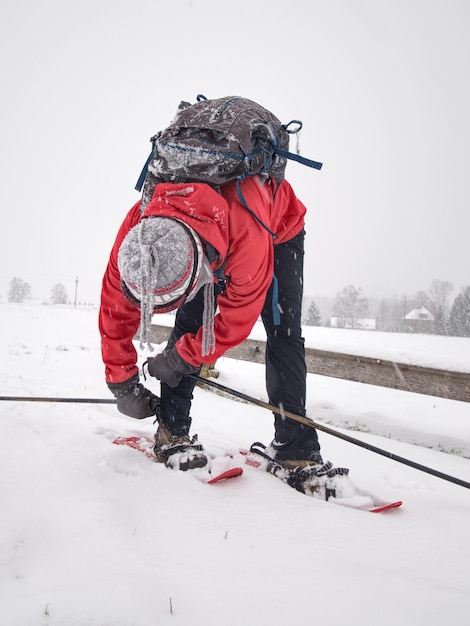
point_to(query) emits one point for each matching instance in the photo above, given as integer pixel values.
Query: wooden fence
(361, 369)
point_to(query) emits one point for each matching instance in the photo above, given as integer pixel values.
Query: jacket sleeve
(249, 264)
(118, 318)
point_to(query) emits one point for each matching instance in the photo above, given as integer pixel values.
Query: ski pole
(52, 399)
(330, 431)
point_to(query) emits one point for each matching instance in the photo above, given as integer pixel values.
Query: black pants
(285, 352)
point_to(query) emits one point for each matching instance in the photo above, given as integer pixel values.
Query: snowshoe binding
(321, 480)
(179, 453)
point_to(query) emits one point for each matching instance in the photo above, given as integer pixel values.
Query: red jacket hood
(199, 206)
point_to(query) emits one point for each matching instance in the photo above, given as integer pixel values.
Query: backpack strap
(244, 203)
(291, 155)
(297, 157)
(143, 173)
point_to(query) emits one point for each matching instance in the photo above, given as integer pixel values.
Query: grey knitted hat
(161, 261)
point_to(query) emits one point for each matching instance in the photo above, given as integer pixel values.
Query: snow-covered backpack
(217, 141)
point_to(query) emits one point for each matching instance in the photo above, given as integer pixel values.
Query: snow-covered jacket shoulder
(243, 245)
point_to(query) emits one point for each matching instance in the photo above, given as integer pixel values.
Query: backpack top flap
(216, 141)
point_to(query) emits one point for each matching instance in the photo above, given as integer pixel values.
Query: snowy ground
(93, 534)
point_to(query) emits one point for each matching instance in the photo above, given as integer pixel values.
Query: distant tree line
(350, 307)
(19, 291)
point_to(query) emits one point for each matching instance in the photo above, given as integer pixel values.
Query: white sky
(381, 87)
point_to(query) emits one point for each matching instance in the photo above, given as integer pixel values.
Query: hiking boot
(291, 455)
(179, 453)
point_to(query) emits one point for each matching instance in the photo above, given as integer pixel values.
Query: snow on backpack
(217, 141)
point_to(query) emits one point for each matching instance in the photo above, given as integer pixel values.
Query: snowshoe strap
(327, 469)
(259, 448)
(298, 477)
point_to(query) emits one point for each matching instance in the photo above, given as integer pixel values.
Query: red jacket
(247, 248)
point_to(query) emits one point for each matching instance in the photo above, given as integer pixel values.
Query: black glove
(135, 400)
(169, 367)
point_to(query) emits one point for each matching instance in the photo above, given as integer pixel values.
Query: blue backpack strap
(243, 201)
(295, 128)
(143, 173)
(297, 157)
(275, 302)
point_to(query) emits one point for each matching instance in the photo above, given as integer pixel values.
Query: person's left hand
(133, 399)
(169, 367)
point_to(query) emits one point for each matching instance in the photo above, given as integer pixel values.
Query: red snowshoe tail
(386, 507)
(233, 472)
(141, 444)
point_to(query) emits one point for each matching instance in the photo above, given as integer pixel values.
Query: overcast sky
(381, 87)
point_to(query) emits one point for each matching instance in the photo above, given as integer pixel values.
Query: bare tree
(19, 290)
(421, 298)
(59, 294)
(350, 306)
